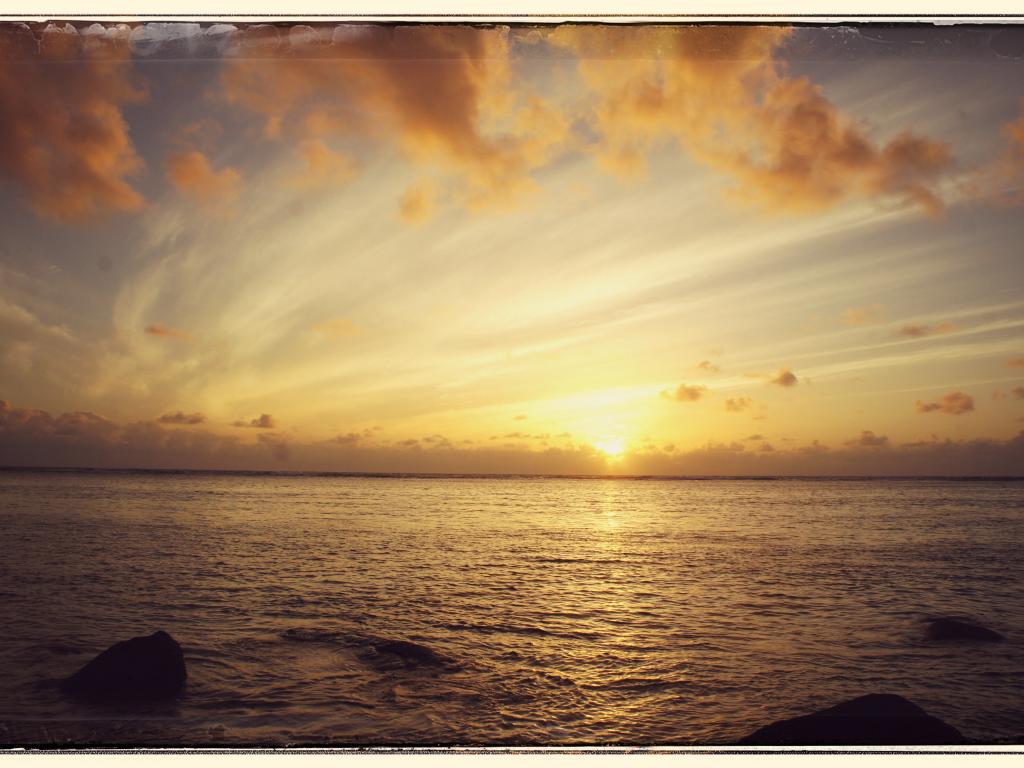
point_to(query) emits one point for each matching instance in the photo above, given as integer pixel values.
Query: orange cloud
(182, 418)
(324, 165)
(1018, 393)
(920, 331)
(857, 316)
(1000, 183)
(737, 404)
(338, 329)
(442, 94)
(418, 203)
(1015, 362)
(685, 394)
(159, 329)
(721, 93)
(785, 378)
(954, 404)
(63, 137)
(191, 174)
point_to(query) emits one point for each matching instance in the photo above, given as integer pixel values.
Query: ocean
(566, 611)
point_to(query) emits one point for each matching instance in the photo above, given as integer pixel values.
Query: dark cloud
(785, 378)
(179, 417)
(35, 438)
(277, 445)
(953, 403)
(869, 439)
(265, 421)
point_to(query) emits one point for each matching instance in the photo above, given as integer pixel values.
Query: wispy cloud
(919, 331)
(164, 331)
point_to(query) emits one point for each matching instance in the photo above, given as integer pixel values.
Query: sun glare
(612, 447)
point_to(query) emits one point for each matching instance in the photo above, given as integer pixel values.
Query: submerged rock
(954, 629)
(412, 654)
(140, 669)
(875, 719)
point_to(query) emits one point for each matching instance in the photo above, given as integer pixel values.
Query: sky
(585, 249)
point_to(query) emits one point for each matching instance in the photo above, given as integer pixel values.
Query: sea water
(565, 610)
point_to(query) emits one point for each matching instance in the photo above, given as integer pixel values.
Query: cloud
(785, 378)
(1015, 362)
(1000, 182)
(418, 203)
(323, 165)
(161, 330)
(338, 329)
(858, 316)
(180, 417)
(191, 175)
(31, 437)
(738, 404)
(685, 394)
(920, 331)
(63, 137)
(954, 403)
(443, 95)
(708, 366)
(721, 93)
(520, 417)
(869, 439)
(265, 421)
(1018, 393)
(277, 445)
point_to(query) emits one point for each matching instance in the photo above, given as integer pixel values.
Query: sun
(612, 447)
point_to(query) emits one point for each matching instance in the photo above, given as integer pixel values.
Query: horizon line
(482, 475)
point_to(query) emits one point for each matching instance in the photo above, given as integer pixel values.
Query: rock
(140, 669)
(412, 654)
(875, 719)
(954, 629)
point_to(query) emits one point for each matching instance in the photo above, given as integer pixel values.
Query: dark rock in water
(954, 629)
(875, 719)
(412, 654)
(140, 669)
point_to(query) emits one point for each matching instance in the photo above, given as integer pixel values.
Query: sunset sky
(585, 249)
